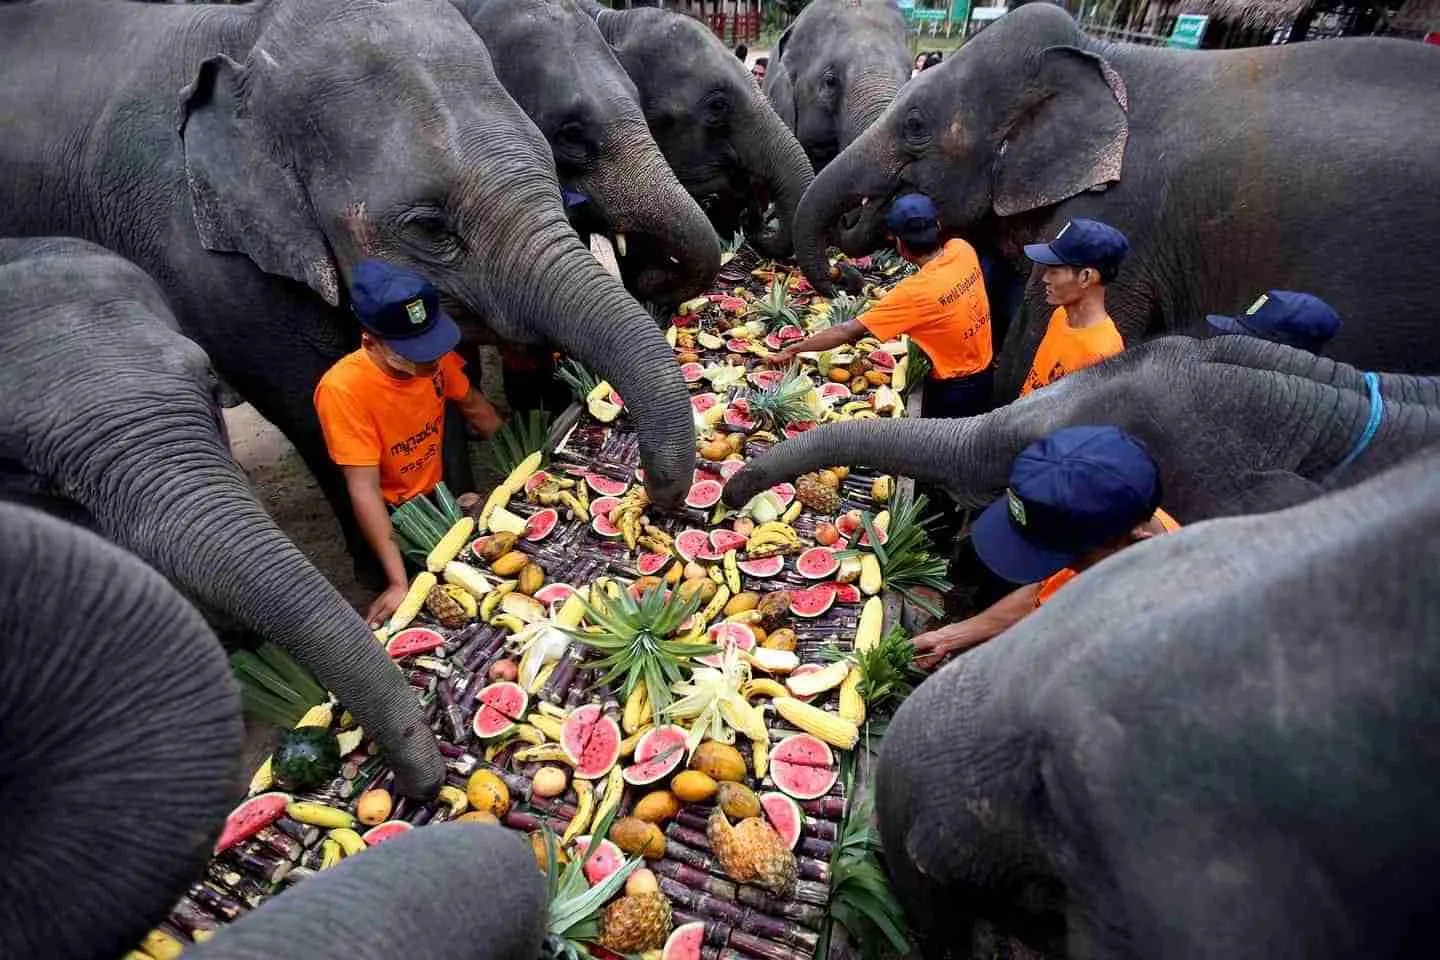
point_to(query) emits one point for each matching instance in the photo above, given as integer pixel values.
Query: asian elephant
(122, 758)
(835, 70)
(108, 416)
(717, 131)
(1215, 744)
(1215, 165)
(552, 59)
(248, 156)
(1236, 425)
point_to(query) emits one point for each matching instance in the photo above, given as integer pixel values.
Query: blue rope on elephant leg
(1377, 413)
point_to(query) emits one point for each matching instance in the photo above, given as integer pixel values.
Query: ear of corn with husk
(830, 727)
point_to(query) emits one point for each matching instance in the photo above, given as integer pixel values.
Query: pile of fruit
(657, 700)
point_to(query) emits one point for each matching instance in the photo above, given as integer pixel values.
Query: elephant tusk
(674, 261)
(602, 251)
(620, 244)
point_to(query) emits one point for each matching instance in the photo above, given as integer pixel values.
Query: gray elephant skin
(1309, 166)
(108, 416)
(248, 157)
(716, 130)
(122, 758)
(835, 70)
(1236, 425)
(1218, 743)
(552, 59)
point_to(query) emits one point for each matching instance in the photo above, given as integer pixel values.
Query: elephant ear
(1070, 138)
(246, 199)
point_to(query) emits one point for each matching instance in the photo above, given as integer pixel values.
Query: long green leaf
(447, 503)
(300, 679)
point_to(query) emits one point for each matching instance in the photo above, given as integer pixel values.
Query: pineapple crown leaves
(907, 558)
(844, 308)
(517, 439)
(786, 402)
(774, 308)
(574, 905)
(636, 641)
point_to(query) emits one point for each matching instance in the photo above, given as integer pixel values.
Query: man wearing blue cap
(1084, 256)
(1299, 320)
(1074, 498)
(382, 408)
(943, 307)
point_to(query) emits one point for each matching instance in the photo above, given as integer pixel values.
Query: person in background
(382, 407)
(942, 306)
(758, 70)
(1075, 497)
(933, 59)
(742, 53)
(1299, 320)
(1083, 258)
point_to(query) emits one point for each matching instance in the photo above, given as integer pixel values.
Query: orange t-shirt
(1066, 349)
(944, 309)
(371, 419)
(1051, 584)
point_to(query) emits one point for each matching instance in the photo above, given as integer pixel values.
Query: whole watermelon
(305, 758)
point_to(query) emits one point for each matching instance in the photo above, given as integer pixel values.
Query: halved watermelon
(684, 942)
(864, 539)
(591, 741)
(657, 755)
(604, 506)
(701, 402)
(605, 861)
(412, 641)
(692, 372)
(835, 391)
(737, 417)
(250, 818)
(605, 486)
(650, 564)
(536, 479)
(730, 304)
(388, 830)
(790, 333)
(881, 360)
(553, 593)
(763, 568)
(604, 528)
(811, 603)
(729, 468)
(540, 524)
(848, 523)
(704, 494)
(765, 379)
(501, 705)
(784, 815)
(774, 342)
(725, 635)
(844, 592)
(786, 493)
(691, 543)
(723, 541)
(797, 427)
(615, 399)
(737, 346)
(803, 766)
(817, 563)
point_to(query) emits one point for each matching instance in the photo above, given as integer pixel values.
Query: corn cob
(414, 600)
(523, 471)
(317, 716)
(872, 621)
(833, 729)
(466, 577)
(870, 579)
(852, 705)
(449, 546)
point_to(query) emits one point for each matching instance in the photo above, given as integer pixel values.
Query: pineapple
(845, 308)
(636, 923)
(812, 490)
(786, 402)
(752, 852)
(775, 309)
(575, 918)
(445, 608)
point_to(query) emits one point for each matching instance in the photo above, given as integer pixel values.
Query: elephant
(108, 417)
(129, 760)
(1216, 743)
(552, 59)
(1214, 164)
(835, 70)
(716, 130)
(1235, 424)
(249, 156)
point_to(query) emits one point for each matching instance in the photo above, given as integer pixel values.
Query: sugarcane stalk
(691, 838)
(695, 879)
(190, 918)
(709, 907)
(830, 807)
(813, 869)
(281, 843)
(675, 850)
(810, 915)
(770, 950)
(450, 711)
(306, 834)
(249, 890)
(219, 904)
(451, 751)
(255, 860)
(520, 820)
(812, 893)
(815, 847)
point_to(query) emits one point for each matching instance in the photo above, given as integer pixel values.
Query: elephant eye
(573, 144)
(829, 81)
(916, 131)
(429, 229)
(716, 109)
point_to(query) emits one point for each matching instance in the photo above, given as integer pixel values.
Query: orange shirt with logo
(371, 419)
(944, 309)
(1052, 584)
(1066, 349)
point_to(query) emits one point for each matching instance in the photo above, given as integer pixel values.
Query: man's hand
(932, 648)
(385, 604)
(783, 358)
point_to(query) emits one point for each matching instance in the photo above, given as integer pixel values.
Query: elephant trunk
(118, 705)
(865, 170)
(869, 96)
(771, 153)
(169, 493)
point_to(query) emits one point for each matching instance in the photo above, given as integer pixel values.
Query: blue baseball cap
(1083, 243)
(1284, 316)
(402, 309)
(914, 219)
(1078, 489)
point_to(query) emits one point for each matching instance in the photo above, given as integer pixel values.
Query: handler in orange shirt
(942, 307)
(1084, 256)
(382, 408)
(1075, 497)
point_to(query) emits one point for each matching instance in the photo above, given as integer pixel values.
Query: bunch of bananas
(564, 492)
(654, 539)
(771, 538)
(629, 516)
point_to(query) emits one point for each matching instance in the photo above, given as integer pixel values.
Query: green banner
(1189, 31)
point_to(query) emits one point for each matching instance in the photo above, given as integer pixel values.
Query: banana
(653, 545)
(745, 616)
(263, 779)
(318, 814)
(350, 842)
(542, 677)
(732, 572)
(553, 710)
(627, 746)
(493, 598)
(716, 574)
(333, 853)
(760, 757)
(610, 799)
(507, 620)
(161, 945)
(530, 732)
(544, 753)
(584, 809)
(636, 705)
(676, 571)
(547, 727)
(792, 512)
(780, 527)
(493, 750)
(581, 511)
(763, 688)
(716, 604)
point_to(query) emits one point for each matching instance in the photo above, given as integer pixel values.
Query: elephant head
(1020, 119)
(1236, 425)
(716, 130)
(380, 129)
(109, 412)
(122, 741)
(835, 70)
(552, 59)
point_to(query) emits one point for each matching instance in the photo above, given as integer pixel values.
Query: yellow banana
(350, 842)
(584, 809)
(543, 753)
(776, 526)
(792, 512)
(542, 678)
(318, 814)
(509, 621)
(732, 572)
(763, 688)
(716, 574)
(317, 716)
(492, 599)
(627, 746)
(713, 608)
(610, 799)
(454, 799)
(553, 710)
(332, 853)
(760, 756)
(635, 708)
(547, 727)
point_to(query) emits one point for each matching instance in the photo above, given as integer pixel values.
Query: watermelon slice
(725, 635)
(730, 304)
(864, 539)
(604, 528)
(729, 468)
(553, 593)
(737, 345)
(790, 333)
(811, 603)
(591, 741)
(657, 755)
(737, 417)
(701, 402)
(692, 372)
(723, 541)
(774, 343)
(615, 399)
(786, 493)
(540, 524)
(650, 564)
(784, 815)
(691, 543)
(803, 767)
(414, 640)
(704, 494)
(765, 379)
(537, 478)
(605, 486)
(848, 523)
(835, 391)
(763, 568)
(606, 859)
(797, 427)
(388, 830)
(501, 706)
(251, 817)
(817, 563)
(844, 592)
(684, 942)
(881, 360)
(800, 671)
(604, 506)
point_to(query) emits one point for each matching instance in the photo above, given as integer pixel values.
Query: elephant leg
(463, 891)
(455, 452)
